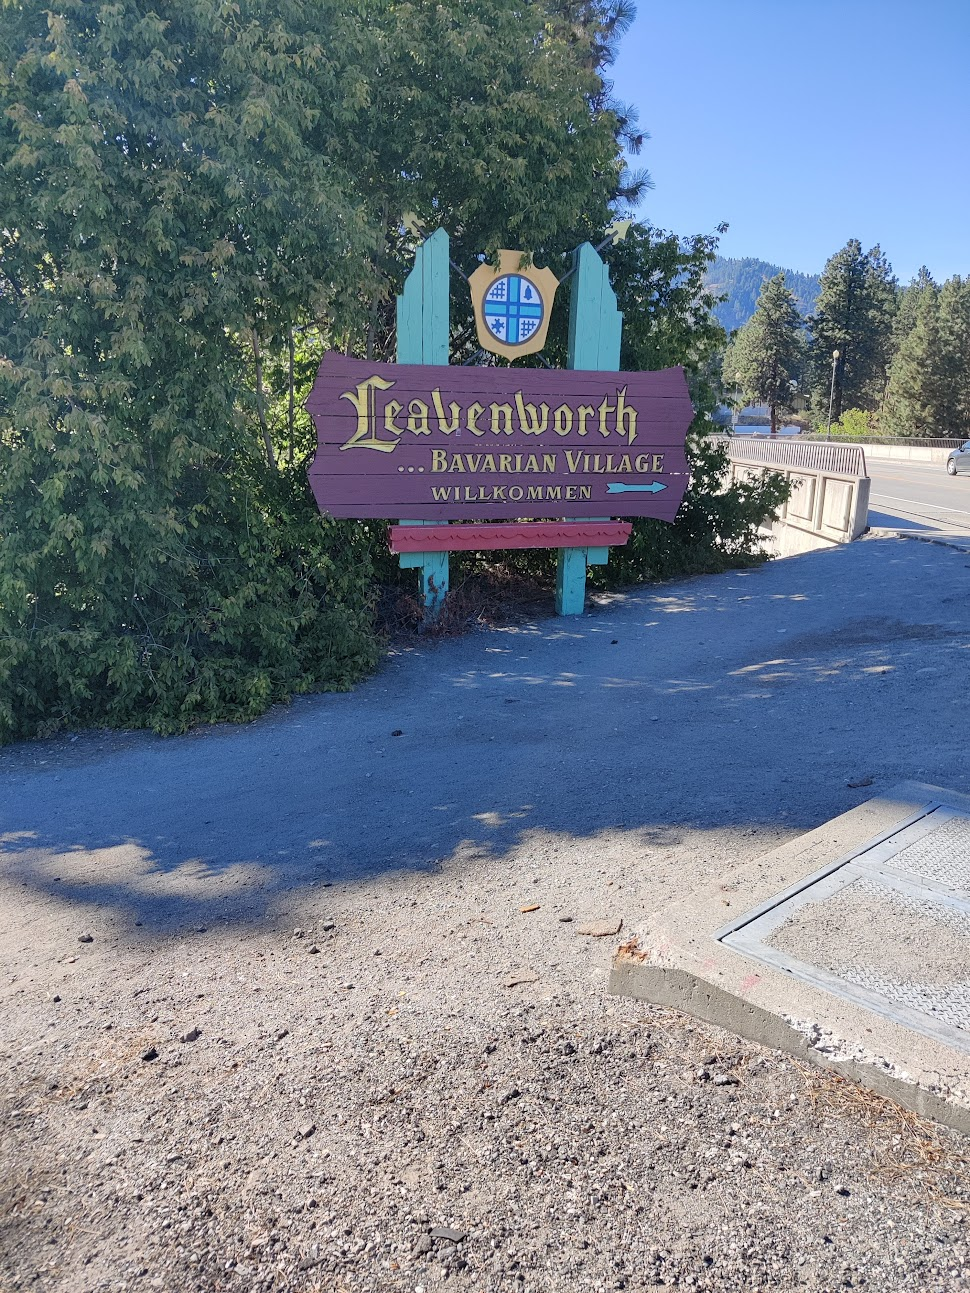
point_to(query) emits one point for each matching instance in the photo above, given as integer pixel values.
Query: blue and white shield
(513, 309)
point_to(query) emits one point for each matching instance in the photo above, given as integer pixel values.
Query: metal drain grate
(887, 927)
(942, 854)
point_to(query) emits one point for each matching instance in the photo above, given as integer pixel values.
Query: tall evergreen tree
(929, 380)
(952, 412)
(908, 302)
(912, 395)
(853, 315)
(766, 356)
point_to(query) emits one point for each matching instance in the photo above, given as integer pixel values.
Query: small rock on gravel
(192, 1035)
(149, 1055)
(85, 938)
(446, 1232)
(520, 976)
(601, 928)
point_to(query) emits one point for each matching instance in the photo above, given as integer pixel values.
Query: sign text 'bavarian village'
(446, 443)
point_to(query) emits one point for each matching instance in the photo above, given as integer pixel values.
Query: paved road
(918, 496)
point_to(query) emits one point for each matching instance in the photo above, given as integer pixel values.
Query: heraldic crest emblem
(512, 305)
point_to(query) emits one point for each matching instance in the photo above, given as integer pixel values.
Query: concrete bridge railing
(829, 504)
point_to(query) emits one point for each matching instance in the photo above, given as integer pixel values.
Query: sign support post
(595, 329)
(423, 337)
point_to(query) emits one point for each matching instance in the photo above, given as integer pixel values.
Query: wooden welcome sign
(450, 443)
(430, 443)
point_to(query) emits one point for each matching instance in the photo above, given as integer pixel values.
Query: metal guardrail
(808, 455)
(906, 441)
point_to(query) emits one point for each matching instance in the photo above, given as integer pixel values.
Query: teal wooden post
(434, 574)
(595, 328)
(423, 328)
(571, 581)
(422, 308)
(595, 324)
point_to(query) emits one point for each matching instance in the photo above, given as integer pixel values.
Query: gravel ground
(244, 1049)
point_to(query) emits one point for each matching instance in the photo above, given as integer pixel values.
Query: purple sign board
(451, 443)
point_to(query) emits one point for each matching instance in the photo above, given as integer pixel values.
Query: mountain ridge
(740, 279)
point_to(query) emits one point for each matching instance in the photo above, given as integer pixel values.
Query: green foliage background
(197, 199)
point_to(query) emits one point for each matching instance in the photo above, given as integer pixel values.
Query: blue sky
(803, 123)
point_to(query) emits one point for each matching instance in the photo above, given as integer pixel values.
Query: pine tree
(907, 307)
(765, 357)
(853, 315)
(911, 395)
(952, 411)
(929, 380)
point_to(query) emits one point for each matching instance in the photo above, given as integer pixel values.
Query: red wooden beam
(519, 534)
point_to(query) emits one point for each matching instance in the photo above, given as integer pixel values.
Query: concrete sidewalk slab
(848, 946)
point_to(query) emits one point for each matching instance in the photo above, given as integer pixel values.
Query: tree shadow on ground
(746, 699)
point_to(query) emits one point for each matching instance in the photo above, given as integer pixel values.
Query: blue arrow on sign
(615, 487)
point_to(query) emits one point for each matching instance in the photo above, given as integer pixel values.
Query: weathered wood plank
(409, 345)
(459, 382)
(495, 500)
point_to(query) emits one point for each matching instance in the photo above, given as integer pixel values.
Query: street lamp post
(835, 360)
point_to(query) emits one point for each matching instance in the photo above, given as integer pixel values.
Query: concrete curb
(955, 541)
(678, 962)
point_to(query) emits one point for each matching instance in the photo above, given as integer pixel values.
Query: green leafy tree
(198, 198)
(854, 315)
(854, 424)
(953, 409)
(765, 357)
(492, 120)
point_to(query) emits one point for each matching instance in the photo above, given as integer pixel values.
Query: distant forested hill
(741, 279)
